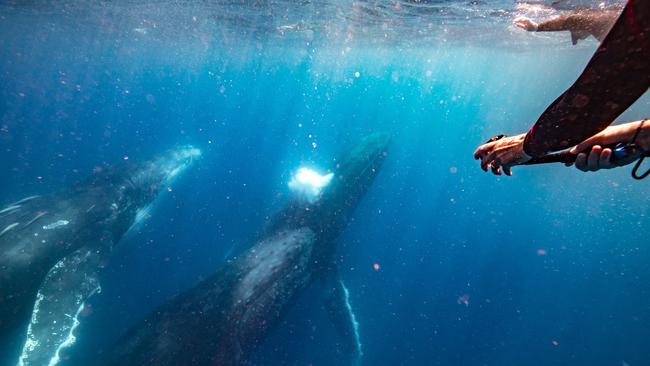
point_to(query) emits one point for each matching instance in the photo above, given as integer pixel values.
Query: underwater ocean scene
(205, 121)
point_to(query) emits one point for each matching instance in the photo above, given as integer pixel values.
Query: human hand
(592, 156)
(526, 23)
(615, 134)
(502, 153)
(596, 159)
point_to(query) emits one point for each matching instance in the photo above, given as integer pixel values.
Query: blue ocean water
(549, 267)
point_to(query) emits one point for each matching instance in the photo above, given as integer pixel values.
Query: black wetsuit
(615, 77)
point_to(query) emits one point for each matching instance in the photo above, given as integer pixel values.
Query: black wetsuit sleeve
(615, 77)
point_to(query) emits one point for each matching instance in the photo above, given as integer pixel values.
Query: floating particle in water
(126, 157)
(555, 343)
(376, 266)
(541, 252)
(453, 170)
(169, 189)
(222, 89)
(463, 300)
(357, 74)
(428, 73)
(314, 145)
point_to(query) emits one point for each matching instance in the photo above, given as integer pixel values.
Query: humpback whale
(52, 248)
(219, 321)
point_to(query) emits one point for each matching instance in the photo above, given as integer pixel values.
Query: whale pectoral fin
(59, 301)
(339, 310)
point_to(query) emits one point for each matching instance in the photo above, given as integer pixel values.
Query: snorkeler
(581, 23)
(615, 77)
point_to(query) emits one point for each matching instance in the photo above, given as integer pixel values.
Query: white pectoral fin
(339, 310)
(59, 303)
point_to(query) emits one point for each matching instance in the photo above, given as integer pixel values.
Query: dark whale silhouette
(223, 318)
(52, 248)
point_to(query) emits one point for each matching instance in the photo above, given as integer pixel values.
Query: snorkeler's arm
(582, 23)
(615, 77)
(565, 22)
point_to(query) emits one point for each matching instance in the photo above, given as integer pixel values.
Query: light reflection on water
(372, 22)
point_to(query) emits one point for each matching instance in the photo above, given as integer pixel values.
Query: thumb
(584, 145)
(576, 149)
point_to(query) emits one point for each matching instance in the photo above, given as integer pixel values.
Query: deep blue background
(80, 87)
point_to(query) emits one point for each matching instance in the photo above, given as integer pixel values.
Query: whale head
(121, 192)
(142, 182)
(330, 199)
(164, 169)
(353, 174)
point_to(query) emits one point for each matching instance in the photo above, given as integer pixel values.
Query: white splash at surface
(308, 184)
